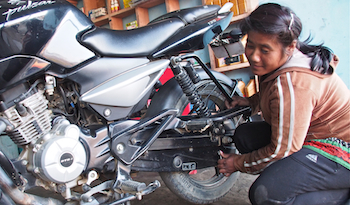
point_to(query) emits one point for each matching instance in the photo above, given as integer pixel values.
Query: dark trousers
(296, 179)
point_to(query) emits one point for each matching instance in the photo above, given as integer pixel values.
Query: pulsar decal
(16, 2)
(29, 5)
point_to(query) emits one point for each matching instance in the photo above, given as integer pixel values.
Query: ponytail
(321, 56)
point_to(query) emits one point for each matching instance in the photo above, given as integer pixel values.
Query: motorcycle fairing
(63, 47)
(28, 31)
(19, 68)
(102, 69)
(125, 90)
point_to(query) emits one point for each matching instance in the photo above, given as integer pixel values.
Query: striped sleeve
(288, 133)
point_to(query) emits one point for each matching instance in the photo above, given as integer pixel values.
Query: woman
(301, 150)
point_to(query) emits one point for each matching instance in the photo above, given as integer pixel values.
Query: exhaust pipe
(9, 189)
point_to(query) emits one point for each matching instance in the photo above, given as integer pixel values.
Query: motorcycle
(85, 106)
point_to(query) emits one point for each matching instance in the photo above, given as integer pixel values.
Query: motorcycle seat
(138, 42)
(145, 40)
(190, 15)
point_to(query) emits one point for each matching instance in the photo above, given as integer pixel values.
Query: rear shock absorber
(188, 87)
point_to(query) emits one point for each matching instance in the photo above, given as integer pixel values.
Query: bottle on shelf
(114, 5)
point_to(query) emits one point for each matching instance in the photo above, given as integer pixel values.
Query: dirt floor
(163, 196)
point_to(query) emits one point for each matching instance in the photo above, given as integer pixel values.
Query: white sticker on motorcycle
(27, 6)
(189, 166)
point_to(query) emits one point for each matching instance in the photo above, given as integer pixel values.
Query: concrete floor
(163, 196)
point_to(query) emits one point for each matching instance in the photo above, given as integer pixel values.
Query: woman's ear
(290, 49)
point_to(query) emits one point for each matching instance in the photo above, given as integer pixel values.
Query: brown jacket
(300, 105)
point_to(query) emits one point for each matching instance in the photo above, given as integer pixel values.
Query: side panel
(127, 88)
(101, 70)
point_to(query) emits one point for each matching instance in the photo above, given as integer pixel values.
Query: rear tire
(206, 185)
(198, 192)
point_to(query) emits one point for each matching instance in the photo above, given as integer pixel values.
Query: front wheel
(206, 185)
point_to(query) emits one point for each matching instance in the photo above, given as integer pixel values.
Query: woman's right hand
(237, 101)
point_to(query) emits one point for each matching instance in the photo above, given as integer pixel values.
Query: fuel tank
(37, 34)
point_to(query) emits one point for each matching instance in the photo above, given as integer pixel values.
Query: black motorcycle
(85, 106)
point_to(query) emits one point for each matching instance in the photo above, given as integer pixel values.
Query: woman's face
(264, 52)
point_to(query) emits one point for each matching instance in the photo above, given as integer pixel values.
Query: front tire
(206, 185)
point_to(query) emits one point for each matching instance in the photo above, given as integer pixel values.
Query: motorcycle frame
(157, 154)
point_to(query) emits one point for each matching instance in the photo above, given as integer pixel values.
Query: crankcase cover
(62, 158)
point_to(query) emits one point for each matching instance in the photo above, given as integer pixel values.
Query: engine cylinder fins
(34, 124)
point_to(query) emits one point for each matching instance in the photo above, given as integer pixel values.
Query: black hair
(279, 20)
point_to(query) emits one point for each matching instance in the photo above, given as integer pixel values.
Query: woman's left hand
(226, 165)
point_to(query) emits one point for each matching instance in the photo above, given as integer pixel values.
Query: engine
(30, 118)
(59, 156)
(52, 148)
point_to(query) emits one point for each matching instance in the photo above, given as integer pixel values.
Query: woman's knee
(258, 193)
(262, 193)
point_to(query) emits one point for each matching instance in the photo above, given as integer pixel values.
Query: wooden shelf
(100, 21)
(115, 19)
(232, 67)
(122, 13)
(251, 5)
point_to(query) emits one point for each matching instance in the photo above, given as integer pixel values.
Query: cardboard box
(127, 3)
(131, 25)
(95, 13)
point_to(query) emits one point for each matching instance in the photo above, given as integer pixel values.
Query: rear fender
(170, 93)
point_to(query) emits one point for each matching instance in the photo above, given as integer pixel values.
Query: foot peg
(130, 186)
